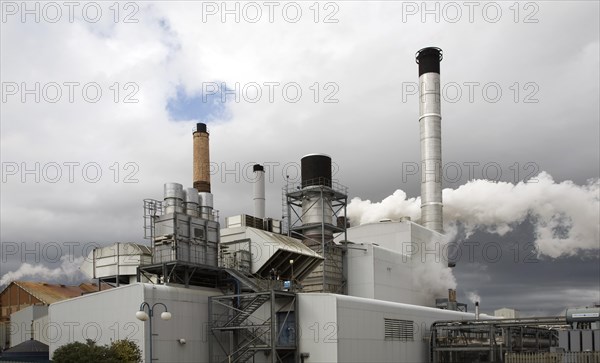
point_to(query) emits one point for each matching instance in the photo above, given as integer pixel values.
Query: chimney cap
(258, 167)
(201, 127)
(429, 51)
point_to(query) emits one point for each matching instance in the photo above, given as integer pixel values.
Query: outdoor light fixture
(143, 316)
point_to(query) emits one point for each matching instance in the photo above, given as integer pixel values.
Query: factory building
(307, 288)
(24, 308)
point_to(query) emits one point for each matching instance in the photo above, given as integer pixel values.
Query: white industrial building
(311, 289)
(30, 323)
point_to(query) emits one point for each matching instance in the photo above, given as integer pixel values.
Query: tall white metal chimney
(259, 191)
(431, 137)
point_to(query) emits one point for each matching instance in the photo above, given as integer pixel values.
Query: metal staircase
(245, 324)
(255, 344)
(249, 284)
(247, 310)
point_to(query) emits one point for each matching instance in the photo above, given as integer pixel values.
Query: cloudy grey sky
(99, 102)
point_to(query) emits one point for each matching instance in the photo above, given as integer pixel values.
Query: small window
(396, 329)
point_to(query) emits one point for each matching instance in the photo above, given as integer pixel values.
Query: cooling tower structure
(314, 207)
(431, 137)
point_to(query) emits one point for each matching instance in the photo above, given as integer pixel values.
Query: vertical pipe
(259, 191)
(431, 137)
(118, 264)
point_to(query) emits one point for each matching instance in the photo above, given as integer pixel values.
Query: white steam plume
(67, 271)
(565, 215)
(473, 297)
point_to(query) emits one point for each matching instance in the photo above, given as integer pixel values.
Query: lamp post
(143, 316)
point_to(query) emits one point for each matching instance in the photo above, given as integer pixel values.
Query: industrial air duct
(431, 137)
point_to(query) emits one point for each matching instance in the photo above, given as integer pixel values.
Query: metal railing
(567, 357)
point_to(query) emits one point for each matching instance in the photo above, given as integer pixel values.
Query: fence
(569, 357)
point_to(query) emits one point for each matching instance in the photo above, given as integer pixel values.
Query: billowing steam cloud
(68, 271)
(565, 215)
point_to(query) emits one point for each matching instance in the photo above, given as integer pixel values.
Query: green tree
(119, 351)
(79, 352)
(126, 351)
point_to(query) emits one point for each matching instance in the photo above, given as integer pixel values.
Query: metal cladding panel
(197, 240)
(382, 274)
(116, 259)
(317, 320)
(395, 236)
(352, 329)
(575, 340)
(563, 339)
(102, 316)
(597, 340)
(21, 324)
(316, 170)
(587, 340)
(111, 313)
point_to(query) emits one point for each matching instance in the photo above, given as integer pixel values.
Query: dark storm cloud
(506, 271)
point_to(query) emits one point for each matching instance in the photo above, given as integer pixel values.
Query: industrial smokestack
(316, 206)
(259, 191)
(201, 159)
(452, 295)
(476, 310)
(431, 137)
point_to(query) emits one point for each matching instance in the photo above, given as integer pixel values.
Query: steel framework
(328, 276)
(243, 325)
(489, 340)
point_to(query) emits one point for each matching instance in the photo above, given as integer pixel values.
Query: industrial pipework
(431, 137)
(259, 191)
